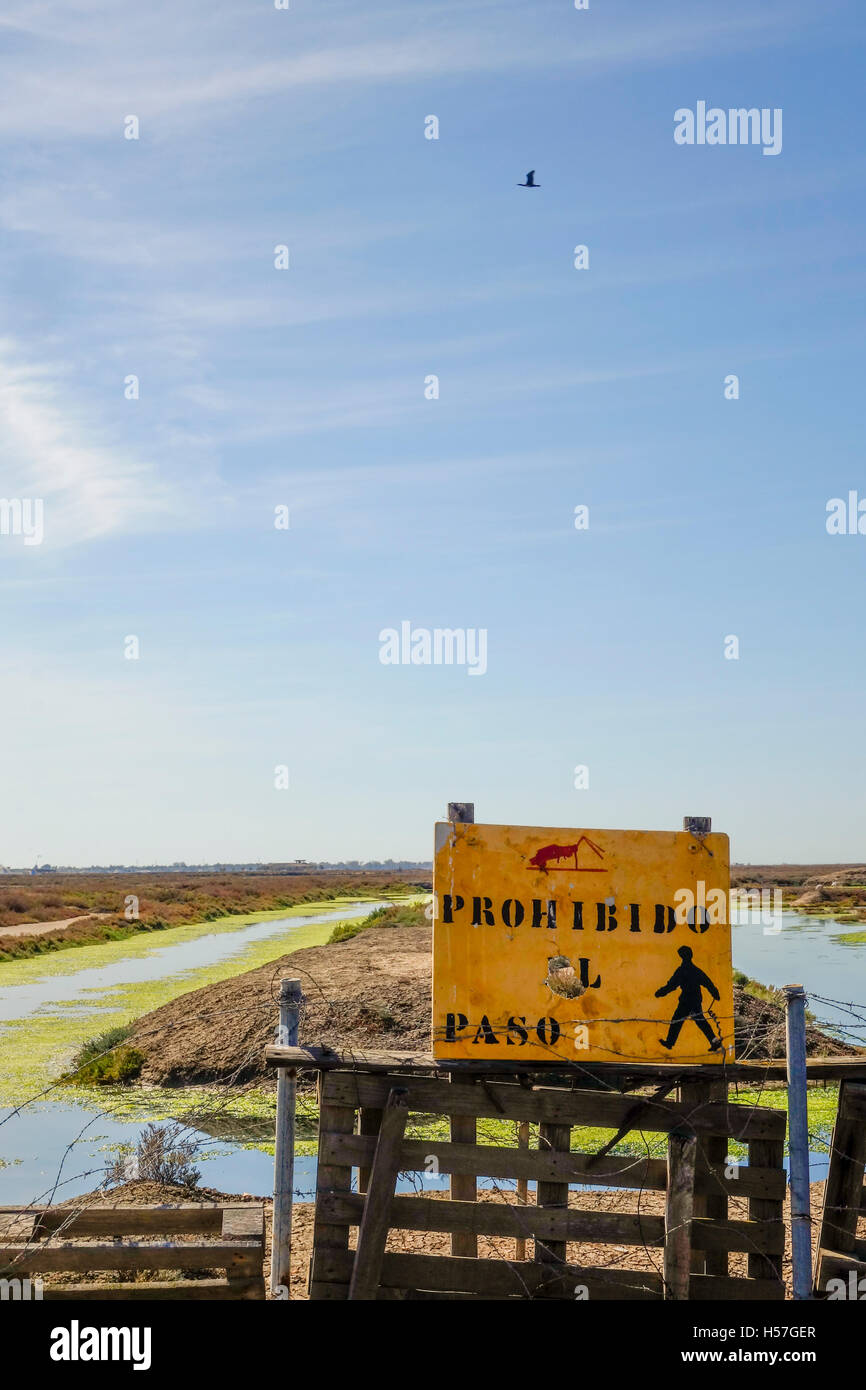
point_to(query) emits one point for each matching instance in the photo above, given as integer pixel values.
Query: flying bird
(530, 181)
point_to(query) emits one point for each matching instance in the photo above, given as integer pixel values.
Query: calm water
(794, 948)
(57, 1142)
(88, 988)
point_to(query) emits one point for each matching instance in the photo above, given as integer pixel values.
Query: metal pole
(798, 1141)
(284, 1147)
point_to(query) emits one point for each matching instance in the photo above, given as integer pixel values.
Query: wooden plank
(496, 1278)
(17, 1226)
(339, 1292)
(105, 1220)
(321, 1058)
(843, 1189)
(369, 1120)
(373, 1233)
(768, 1212)
(334, 1118)
(713, 1287)
(852, 1100)
(500, 1161)
(198, 1289)
(553, 1195)
(501, 1219)
(463, 1187)
(679, 1209)
(832, 1265)
(548, 1105)
(761, 1237)
(245, 1222)
(45, 1257)
(522, 1185)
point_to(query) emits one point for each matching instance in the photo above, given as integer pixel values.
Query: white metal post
(284, 1147)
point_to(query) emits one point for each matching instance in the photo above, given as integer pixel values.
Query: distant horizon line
(300, 866)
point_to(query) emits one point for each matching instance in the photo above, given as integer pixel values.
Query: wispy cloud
(78, 72)
(53, 449)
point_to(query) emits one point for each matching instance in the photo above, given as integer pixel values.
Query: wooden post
(373, 1235)
(698, 825)
(766, 1153)
(522, 1187)
(844, 1185)
(463, 1186)
(711, 1157)
(369, 1123)
(552, 1139)
(798, 1141)
(284, 1146)
(679, 1209)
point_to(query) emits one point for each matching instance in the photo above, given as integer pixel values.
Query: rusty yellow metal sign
(584, 945)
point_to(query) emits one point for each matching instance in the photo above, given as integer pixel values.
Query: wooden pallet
(360, 1129)
(44, 1240)
(840, 1252)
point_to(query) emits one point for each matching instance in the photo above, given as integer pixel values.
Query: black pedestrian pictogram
(689, 980)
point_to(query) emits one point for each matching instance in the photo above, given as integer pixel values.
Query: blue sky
(408, 257)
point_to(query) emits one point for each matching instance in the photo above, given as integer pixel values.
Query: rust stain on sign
(584, 945)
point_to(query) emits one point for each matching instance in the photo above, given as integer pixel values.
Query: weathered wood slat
(340, 1292)
(317, 1058)
(369, 1121)
(45, 1257)
(843, 1190)
(338, 1119)
(711, 1200)
(199, 1289)
(497, 1100)
(552, 1195)
(17, 1226)
(852, 1100)
(243, 1222)
(126, 1221)
(373, 1233)
(463, 1187)
(763, 1237)
(833, 1265)
(713, 1287)
(764, 1262)
(494, 1278)
(495, 1161)
(679, 1209)
(499, 1219)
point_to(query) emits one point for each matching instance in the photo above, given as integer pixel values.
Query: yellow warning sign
(584, 945)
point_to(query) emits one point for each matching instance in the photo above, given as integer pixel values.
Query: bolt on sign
(581, 945)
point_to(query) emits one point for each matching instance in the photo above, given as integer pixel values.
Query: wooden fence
(840, 1253)
(48, 1240)
(363, 1119)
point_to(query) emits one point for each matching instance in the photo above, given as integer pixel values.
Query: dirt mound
(759, 1032)
(371, 992)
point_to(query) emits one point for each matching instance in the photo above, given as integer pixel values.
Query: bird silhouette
(530, 181)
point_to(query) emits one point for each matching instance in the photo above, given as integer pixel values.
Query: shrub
(161, 1155)
(394, 915)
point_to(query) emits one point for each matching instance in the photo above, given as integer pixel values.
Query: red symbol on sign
(544, 858)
